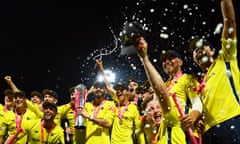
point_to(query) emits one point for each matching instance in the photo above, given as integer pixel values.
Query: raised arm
(229, 29)
(109, 88)
(9, 81)
(154, 77)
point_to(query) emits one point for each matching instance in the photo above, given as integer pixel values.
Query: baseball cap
(47, 104)
(20, 93)
(33, 93)
(170, 54)
(99, 84)
(131, 79)
(8, 92)
(197, 43)
(50, 92)
(119, 86)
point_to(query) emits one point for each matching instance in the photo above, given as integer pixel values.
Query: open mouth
(204, 59)
(98, 92)
(157, 117)
(131, 89)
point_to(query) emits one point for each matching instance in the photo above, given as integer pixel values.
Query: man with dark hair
(49, 95)
(132, 86)
(179, 84)
(152, 119)
(127, 120)
(45, 130)
(73, 135)
(36, 97)
(16, 120)
(220, 85)
(9, 101)
(99, 114)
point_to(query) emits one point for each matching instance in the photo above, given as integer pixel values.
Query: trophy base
(128, 50)
(80, 127)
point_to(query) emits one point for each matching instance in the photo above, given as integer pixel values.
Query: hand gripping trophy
(81, 95)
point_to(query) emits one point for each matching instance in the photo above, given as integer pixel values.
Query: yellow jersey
(11, 121)
(37, 134)
(221, 93)
(170, 128)
(94, 132)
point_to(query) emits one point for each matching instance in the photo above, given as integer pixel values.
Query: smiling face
(122, 95)
(36, 99)
(99, 92)
(20, 102)
(49, 113)
(153, 112)
(172, 65)
(203, 56)
(9, 101)
(132, 86)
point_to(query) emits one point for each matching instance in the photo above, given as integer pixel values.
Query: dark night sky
(52, 44)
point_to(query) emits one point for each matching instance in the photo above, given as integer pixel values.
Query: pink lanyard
(173, 81)
(120, 114)
(5, 109)
(203, 83)
(96, 110)
(18, 120)
(136, 100)
(42, 131)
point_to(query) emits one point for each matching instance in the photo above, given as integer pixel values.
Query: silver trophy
(80, 94)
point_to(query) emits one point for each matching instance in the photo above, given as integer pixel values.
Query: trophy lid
(130, 32)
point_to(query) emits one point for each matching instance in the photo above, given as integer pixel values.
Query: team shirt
(125, 118)
(39, 135)
(94, 132)
(151, 135)
(184, 86)
(222, 86)
(11, 121)
(3, 110)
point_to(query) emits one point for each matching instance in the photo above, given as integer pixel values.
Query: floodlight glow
(110, 76)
